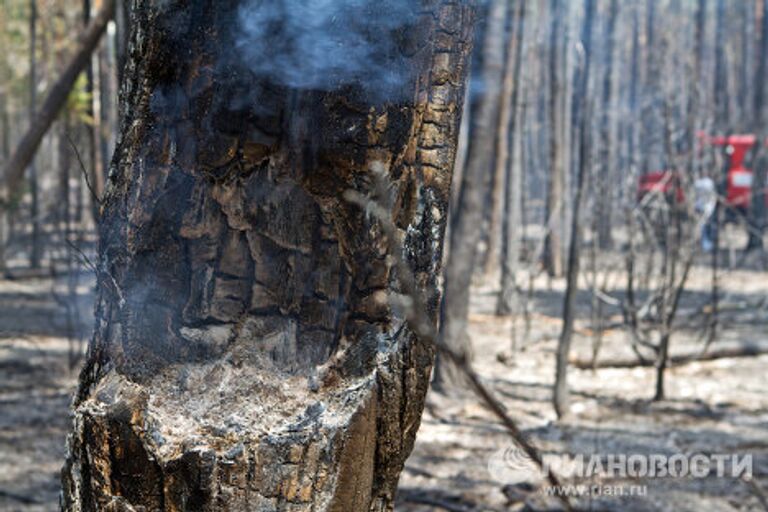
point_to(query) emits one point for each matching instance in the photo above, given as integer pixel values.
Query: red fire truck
(738, 190)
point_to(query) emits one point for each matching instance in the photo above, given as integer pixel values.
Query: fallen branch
(749, 350)
(442, 504)
(27, 500)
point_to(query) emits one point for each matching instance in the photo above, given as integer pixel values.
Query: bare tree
(553, 251)
(465, 232)
(513, 182)
(561, 398)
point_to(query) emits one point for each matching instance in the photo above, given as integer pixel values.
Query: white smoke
(327, 44)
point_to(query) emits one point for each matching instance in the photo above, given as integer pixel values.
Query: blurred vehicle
(735, 187)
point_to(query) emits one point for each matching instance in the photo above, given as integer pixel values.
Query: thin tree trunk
(634, 78)
(722, 121)
(513, 178)
(5, 76)
(561, 395)
(245, 355)
(35, 254)
(695, 95)
(757, 211)
(747, 36)
(461, 151)
(5, 129)
(122, 37)
(567, 107)
(496, 222)
(605, 179)
(649, 140)
(553, 250)
(464, 233)
(107, 103)
(722, 125)
(93, 88)
(64, 191)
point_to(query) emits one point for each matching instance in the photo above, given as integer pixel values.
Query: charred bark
(245, 356)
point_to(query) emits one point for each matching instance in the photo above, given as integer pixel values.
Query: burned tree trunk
(245, 355)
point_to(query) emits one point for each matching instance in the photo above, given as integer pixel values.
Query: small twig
(84, 257)
(88, 263)
(421, 324)
(84, 171)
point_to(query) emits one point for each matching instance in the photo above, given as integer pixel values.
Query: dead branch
(27, 500)
(94, 196)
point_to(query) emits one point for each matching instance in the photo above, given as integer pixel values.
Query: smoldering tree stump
(245, 355)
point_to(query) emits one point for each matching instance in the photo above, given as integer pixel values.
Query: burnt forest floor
(718, 406)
